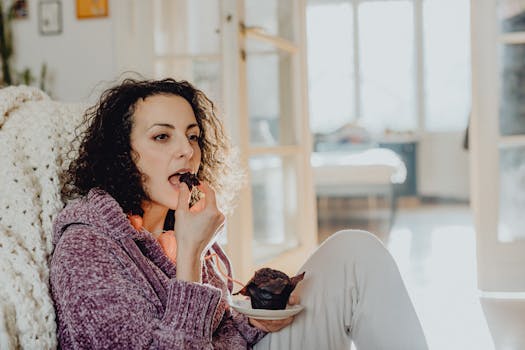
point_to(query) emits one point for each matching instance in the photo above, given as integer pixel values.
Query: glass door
(265, 44)
(187, 43)
(249, 57)
(497, 135)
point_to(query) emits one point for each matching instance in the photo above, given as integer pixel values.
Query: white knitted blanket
(35, 134)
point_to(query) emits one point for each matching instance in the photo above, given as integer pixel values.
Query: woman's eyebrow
(191, 126)
(162, 124)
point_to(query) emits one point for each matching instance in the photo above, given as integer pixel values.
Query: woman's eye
(160, 137)
(194, 137)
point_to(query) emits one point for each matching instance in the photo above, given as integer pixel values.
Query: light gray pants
(352, 291)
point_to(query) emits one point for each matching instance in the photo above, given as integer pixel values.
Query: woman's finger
(209, 194)
(184, 198)
(208, 203)
(280, 324)
(294, 300)
(199, 205)
(271, 325)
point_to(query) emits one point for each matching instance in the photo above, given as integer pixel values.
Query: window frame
(419, 80)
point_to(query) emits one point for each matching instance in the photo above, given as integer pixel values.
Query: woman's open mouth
(183, 175)
(174, 179)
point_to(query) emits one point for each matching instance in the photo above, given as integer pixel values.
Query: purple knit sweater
(114, 288)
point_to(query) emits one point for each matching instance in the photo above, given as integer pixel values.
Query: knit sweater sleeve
(234, 319)
(227, 335)
(100, 306)
(250, 333)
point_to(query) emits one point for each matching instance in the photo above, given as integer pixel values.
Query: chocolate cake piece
(190, 180)
(270, 289)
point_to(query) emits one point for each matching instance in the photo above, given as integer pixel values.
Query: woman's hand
(195, 229)
(271, 326)
(275, 325)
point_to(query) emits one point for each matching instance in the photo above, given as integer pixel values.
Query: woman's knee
(357, 244)
(363, 252)
(348, 248)
(355, 238)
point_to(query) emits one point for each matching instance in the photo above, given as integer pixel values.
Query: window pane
(330, 66)
(270, 101)
(512, 105)
(274, 203)
(205, 75)
(272, 16)
(184, 27)
(446, 38)
(512, 194)
(512, 15)
(387, 65)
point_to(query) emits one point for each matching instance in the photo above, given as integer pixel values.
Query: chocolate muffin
(190, 180)
(270, 289)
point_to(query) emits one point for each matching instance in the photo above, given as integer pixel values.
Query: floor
(434, 246)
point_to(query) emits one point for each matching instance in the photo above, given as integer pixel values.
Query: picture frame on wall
(19, 9)
(92, 8)
(50, 17)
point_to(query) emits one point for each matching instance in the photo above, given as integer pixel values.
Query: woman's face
(165, 136)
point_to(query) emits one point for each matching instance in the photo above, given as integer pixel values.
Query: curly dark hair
(105, 159)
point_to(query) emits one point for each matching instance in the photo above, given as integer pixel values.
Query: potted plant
(9, 76)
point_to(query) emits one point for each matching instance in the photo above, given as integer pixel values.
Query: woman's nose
(184, 149)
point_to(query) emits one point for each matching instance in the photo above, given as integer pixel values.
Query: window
(278, 143)
(447, 64)
(187, 43)
(386, 50)
(400, 65)
(330, 66)
(248, 56)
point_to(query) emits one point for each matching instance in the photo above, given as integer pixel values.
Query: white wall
(443, 166)
(80, 59)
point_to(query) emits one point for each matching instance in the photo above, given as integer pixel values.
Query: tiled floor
(434, 246)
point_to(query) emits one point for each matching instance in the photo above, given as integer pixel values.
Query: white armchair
(35, 134)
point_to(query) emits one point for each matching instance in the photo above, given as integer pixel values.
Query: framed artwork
(92, 8)
(19, 9)
(50, 17)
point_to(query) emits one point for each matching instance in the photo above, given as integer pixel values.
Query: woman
(130, 267)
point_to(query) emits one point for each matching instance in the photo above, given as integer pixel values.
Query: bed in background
(366, 173)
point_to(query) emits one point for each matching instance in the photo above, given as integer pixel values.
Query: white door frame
(240, 226)
(501, 265)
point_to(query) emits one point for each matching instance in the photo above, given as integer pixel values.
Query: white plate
(245, 307)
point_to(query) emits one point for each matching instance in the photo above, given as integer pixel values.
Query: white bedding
(365, 171)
